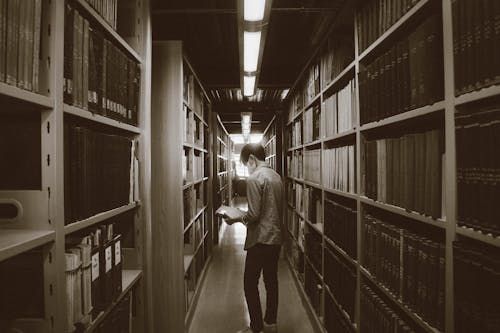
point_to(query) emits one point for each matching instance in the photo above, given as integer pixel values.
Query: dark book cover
(3, 39)
(12, 41)
(117, 266)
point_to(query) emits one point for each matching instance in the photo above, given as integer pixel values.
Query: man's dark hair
(254, 149)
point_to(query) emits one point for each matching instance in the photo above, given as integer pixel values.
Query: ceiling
(209, 29)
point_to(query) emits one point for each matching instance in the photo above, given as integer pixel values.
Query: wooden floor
(221, 307)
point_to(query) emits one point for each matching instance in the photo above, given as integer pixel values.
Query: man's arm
(254, 198)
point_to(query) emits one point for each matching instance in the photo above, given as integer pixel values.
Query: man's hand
(229, 220)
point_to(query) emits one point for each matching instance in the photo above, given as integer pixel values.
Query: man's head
(251, 155)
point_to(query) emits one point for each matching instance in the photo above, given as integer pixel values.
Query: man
(264, 237)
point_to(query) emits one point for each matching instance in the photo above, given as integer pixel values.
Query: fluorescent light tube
(248, 85)
(254, 10)
(251, 45)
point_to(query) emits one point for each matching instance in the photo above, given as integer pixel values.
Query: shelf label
(95, 266)
(109, 258)
(118, 253)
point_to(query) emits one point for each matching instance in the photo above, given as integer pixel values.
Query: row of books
(313, 247)
(108, 9)
(192, 166)
(476, 275)
(406, 76)
(337, 54)
(118, 320)
(478, 168)
(93, 275)
(377, 16)
(312, 165)
(193, 95)
(377, 316)
(340, 226)
(100, 172)
(193, 236)
(193, 201)
(340, 277)
(407, 171)
(294, 164)
(193, 274)
(312, 84)
(270, 149)
(20, 36)
(335, 321)
(296, 257)
(311, 123)
(194, 129)
(411, 266)
(98, 76)
(295, 134)
(311, 283)
(312, 205)
(339, 111)
(339, 169)
(475, 44)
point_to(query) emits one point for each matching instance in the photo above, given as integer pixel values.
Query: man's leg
(253, 267)
(271, 282)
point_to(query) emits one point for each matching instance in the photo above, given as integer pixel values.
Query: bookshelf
(271, 139)
(222, 188)
(377, 117)
(37, 193)
(181, 185)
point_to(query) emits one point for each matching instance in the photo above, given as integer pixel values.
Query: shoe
(247, 330)
(270, 328)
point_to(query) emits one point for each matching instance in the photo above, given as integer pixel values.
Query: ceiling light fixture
(251, 47)
(254, 10)
(248, 85)
(253, 19)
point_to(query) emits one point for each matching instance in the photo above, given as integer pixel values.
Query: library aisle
(221, 306)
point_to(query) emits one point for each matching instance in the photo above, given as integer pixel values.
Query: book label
(118, 253)
(95, 266)
(109, 258)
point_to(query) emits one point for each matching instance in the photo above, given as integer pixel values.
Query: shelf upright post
(53, 163)
(450, 162)
(359, 216)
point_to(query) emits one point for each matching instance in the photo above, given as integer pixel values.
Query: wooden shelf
(313, 143)
(188, 258)
(478, 235)
(194, 218)
(298, 180)
(425, 110)
(339, 307)
(222, 141)
(221, 173)
(129, 279)
(440, 223)
(416, 318)
(17, 241)
(73, 110)
(478, 95)
(194, 146)
(26, 96)
(109, 30)
(75, 226)
(340, 136)
(341, 193)
(295, 148)
(388, 34)
(196, 182)
(222, 157)
(295, 116)
(339, 77)
(270, 156)
(315, 270)
(312, 184)
(341, 251)
(270, 140)
(312, 102)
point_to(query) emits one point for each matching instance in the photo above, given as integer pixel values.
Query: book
(231, 212)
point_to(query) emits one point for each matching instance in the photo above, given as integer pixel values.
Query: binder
(117, 266)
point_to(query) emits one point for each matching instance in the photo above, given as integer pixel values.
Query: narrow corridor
(221, 307)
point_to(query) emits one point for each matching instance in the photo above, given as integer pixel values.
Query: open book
(231, 212)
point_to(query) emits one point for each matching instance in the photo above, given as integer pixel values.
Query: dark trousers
(262, 258)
